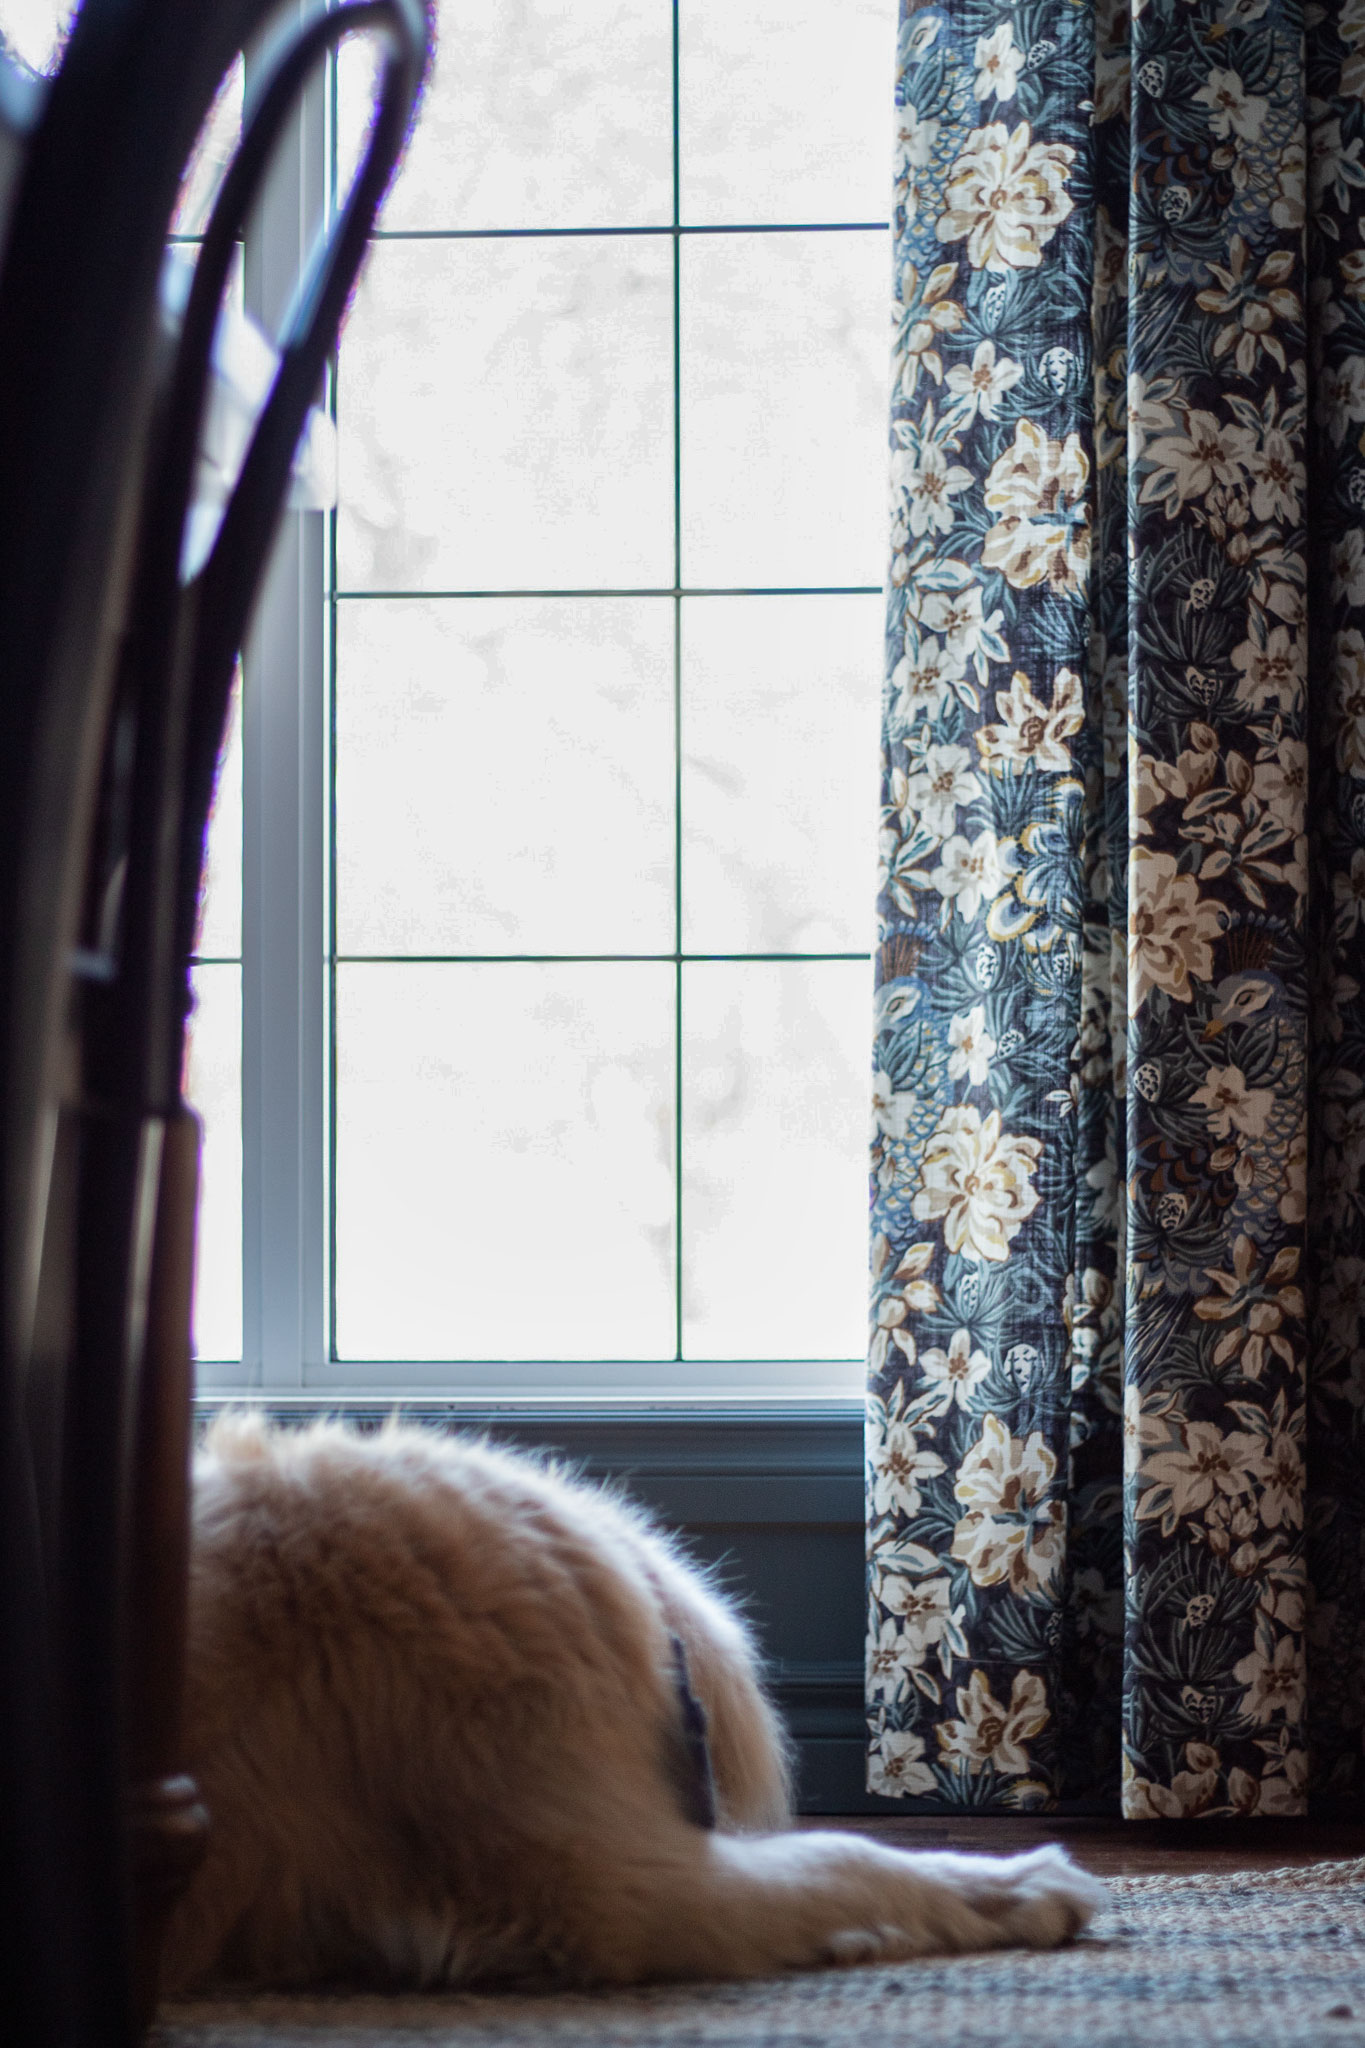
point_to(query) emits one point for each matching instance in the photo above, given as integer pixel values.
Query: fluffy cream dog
(441, 1706)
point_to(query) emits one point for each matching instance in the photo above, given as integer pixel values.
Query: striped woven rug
(1255, 1959)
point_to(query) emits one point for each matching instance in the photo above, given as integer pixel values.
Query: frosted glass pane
(786, 109)
(779, 709)
(506, 417)
(784, 402)
(359, 66)
(220, 911)
(504, 1161)
(505, 776)
(538, 114)
(214, 150)
(213, 1085)
(775, 1106)
(35, 31)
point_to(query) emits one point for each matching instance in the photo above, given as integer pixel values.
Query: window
(533, 1046)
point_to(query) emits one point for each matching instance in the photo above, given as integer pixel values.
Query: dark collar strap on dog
(699, 1787)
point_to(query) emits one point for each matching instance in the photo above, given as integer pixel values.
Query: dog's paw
(853, 1945)
(1038, 1899)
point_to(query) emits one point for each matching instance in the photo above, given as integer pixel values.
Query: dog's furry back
(433, 1708)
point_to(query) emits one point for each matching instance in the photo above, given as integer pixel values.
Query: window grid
(675, 593)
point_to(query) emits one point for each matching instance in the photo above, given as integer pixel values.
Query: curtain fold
(1116, 1374)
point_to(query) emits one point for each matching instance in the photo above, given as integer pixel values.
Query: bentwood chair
(115, 671)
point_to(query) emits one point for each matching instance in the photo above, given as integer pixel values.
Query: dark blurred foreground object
(115, 671)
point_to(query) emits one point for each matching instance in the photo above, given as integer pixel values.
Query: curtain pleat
(1095, 1478)
(1336, 919)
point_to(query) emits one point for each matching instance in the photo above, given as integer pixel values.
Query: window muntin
(606, 620)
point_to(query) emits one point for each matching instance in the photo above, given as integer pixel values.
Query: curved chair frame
(114, 681)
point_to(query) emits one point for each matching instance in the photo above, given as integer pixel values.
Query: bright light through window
(606, 649)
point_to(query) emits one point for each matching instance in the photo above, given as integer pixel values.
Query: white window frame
(288, 1131)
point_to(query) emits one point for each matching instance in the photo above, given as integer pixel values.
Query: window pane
(505, 776)
(220, 914)
(775, 1095)
(785, 374)
(537, 114)
(779, 701)
(213, 1085)
(504, 1182)
(36, 30)
(786, 109)
(506, 417)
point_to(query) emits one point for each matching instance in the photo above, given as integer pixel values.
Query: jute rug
(1258, 1959)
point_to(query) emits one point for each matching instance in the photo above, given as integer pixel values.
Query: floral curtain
(1116, 1456)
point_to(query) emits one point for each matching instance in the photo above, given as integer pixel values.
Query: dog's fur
(434, 1708)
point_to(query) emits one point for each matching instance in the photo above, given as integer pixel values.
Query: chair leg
(168, 1825)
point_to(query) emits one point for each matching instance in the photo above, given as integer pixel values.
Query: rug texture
(1259, 1959)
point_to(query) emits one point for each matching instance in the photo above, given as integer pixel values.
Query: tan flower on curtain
(1014, 1527)
(1121, 1026)
(977, 1179)
(987, 1732)
(1037, 491)
(1007, 195)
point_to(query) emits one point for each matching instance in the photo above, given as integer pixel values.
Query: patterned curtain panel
(1116, 1451)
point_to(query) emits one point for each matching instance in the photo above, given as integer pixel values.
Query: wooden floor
(1131, 1848)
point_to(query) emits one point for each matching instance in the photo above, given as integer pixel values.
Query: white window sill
(635, 1384)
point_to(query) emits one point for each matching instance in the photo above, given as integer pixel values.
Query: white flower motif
(1333, 165)
(1184, 466)
(1006, 196)
(1348, 567)
(920, 314)
(999, 61)
(988, 1731)
(928, 482)
(890, 1111)
(896, 1764)
(973, 1047)
(1029, 730)
(1171, 929)
(925, 1607)
(1273, 673)
(972, 871)
(1348, 700)
(923, 680)
(888, 1328)
(958, 615)
(954, 1374)
(1207, 1465)
(1274, 1682)
(1231, 1104)
(979, 1179)
(1232, 109)
(916, 135)
(942, 780)
(1341, 398)
(888, 1667)
(1349, 894)
(983, 385)
(1013, 1529)
(1276, 470)
(1038, 491)
(898, 1466)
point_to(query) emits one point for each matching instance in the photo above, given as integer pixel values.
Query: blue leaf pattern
(1111, 1538)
